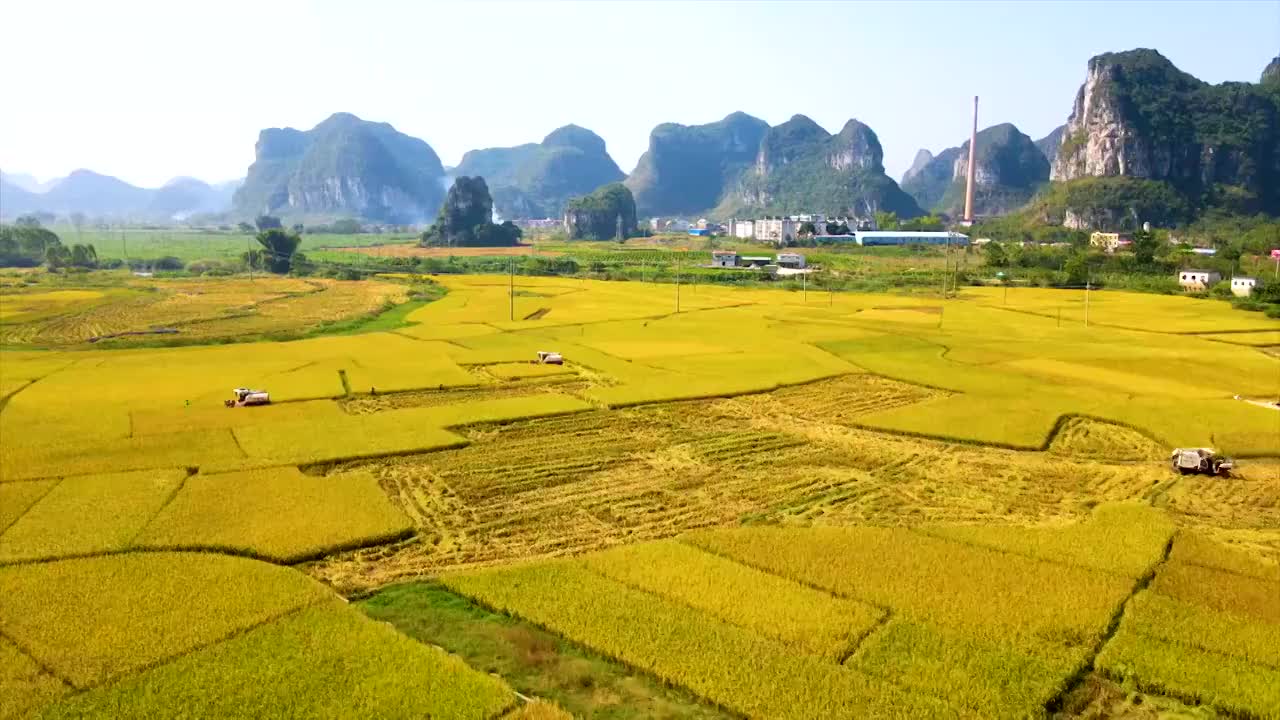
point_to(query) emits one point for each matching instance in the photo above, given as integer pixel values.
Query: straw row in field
(325, 661)
(724, 663)
(811, 620)
(1083, 437)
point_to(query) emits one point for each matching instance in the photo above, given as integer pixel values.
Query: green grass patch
(24, 687)
(535, 662)
(724, 663)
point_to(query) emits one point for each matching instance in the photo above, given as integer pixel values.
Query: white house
(790, 260)
(1197, 279)
(724, 258)
(1242, 286)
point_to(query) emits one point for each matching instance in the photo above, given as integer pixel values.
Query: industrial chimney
(968, 188)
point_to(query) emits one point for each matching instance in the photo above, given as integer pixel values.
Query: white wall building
(724, 258)
(744, 229)
(1242, 286)
(790, 260)
(776, 230)
(1197, 279)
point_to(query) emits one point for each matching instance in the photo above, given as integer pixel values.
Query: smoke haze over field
(151, 90)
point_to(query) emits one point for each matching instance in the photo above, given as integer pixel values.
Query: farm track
(571, 484)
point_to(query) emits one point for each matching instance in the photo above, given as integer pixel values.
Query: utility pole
(511, 286)
(677, 285)
(804, 284)
(1087, 284)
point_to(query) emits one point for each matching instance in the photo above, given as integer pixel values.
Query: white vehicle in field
(244, 397)
(550, 358)
(1205, 461)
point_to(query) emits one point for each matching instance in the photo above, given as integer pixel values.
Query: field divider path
(43, 668)
(43, 495)
(191, 472)
(1055, 704)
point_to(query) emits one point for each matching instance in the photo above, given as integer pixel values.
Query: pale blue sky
(150, 90)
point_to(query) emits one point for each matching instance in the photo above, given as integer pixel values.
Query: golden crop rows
(590, 480)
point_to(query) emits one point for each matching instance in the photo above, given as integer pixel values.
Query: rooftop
(907, 233)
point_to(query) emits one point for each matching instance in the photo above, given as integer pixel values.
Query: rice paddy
(779, 505)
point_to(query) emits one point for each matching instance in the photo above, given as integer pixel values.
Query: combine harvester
(550, 358)
(1205, 461)
(244, 397)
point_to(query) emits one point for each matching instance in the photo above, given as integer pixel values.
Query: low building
(910, 237)
(834, 239)
(724, 258)
(1197, 279)
(1242, 286)
(790, 260)
(1110, 242)
(700, 232)
(776, 230)
(1207, 252)
(756, 260)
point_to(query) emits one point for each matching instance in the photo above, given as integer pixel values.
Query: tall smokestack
(968, 187)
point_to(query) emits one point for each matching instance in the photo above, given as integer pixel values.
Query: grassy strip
(89, 514)
(94, 619)
(276, 514)
(325, 662)
(534, 661)
(726, 664)
(811, 620)
(147, 452)
(1230, 685)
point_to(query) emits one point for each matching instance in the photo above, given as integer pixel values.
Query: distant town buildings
(724, 258)
(790, 260)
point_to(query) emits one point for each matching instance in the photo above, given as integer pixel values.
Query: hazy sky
(150, 90)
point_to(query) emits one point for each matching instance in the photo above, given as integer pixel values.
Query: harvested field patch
(1083, 437)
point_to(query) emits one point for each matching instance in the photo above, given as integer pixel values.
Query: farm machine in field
(244, 397)
(550, 358)
(1205, 461)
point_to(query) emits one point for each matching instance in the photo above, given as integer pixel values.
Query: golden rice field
(188, 309)
(859, 505)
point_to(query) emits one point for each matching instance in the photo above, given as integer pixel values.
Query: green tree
(83, 256)
(279, 246)
(1145, 246)
(267, 222)
(994, 255)
(807, 229)
(1076, 268)
(27, 221)
(244, 227)
(887, 220)
(57, 256)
